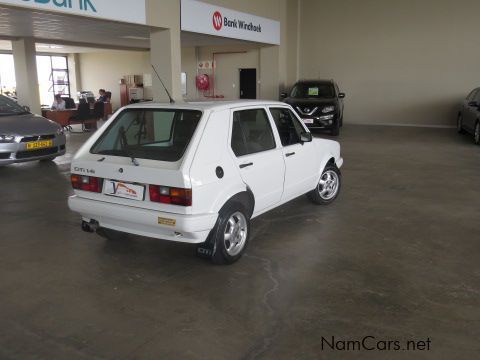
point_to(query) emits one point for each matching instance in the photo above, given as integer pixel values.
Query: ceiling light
(132, 37)
(45, 46)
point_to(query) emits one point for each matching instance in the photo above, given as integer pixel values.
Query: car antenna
(159, 78)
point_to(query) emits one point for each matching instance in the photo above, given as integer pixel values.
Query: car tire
(460, 124)
(231, 234)
(336, 129)
(328, 187)
(476, 133)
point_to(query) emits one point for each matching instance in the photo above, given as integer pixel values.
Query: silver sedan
(27, 137)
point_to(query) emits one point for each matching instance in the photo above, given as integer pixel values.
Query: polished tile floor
(396, 257)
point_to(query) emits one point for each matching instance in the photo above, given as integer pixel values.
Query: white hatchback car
(198, 172)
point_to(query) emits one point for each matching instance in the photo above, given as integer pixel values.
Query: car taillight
(170, 195)
(87, 183)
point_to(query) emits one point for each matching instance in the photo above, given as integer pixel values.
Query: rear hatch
(138, 160)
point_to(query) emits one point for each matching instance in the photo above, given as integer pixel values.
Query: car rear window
(156, 134)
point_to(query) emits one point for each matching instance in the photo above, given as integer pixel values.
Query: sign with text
(203, 18)
(121, 10)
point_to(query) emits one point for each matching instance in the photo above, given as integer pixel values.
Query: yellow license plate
(39, 145)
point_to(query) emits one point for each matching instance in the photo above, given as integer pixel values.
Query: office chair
(69, 103)
(99, 110)
(83, 114)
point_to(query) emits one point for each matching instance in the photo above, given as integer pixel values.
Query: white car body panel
(274, 180)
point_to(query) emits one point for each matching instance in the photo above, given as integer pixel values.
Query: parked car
(27, 137)
(319, 103)
(197, 173)
(468, 119)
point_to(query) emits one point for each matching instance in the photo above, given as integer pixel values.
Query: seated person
(103, 96)
(58, 103)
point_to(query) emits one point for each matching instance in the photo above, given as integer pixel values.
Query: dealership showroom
(221, 179)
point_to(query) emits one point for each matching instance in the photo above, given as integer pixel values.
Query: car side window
(288, 126)
(251, 132)
(477, 97)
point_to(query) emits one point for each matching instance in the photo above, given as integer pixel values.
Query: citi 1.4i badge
(217, 20)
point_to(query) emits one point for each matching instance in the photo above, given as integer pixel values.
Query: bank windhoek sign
(118, 10)
(199, 17)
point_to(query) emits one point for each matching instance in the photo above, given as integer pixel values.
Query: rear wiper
(124, 145)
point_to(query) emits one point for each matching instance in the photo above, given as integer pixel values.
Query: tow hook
(90, 227)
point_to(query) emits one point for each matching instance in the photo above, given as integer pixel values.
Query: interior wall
(103, 70)
(285, 11)
(399, 62)
(189, 66)
(226, 78)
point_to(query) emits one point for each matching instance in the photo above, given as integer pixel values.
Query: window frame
(273, 130)
(109, 126)
(295, 117)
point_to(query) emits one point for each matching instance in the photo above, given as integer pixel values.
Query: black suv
(468, 119)
(319, 103)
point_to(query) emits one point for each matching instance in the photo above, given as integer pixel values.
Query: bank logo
(217, 20)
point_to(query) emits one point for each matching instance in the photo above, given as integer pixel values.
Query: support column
(24, 58)
(165, 55)
(74, 74)
(269, 72)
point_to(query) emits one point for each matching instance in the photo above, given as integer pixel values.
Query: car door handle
(246, 165)
(289, 154)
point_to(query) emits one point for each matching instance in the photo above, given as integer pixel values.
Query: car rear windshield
(156, 134)
(312, 90)
(10, 107)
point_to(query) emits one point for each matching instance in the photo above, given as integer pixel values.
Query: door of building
(248, 83)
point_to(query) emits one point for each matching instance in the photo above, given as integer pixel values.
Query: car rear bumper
(192, 229)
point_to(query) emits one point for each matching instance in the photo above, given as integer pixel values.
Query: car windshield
(10, 107)
(157, 134)
(312, 90)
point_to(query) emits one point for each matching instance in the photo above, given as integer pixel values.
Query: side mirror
(26, 108)
(473, 103)
(341, 95)
(306, 137)
(283, 95)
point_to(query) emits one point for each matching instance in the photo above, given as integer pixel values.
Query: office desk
(61, 117)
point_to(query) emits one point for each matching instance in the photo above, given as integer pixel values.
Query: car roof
(207, 105)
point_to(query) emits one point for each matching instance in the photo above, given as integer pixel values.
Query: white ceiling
(6, 46)
(60, 33)
(71, 30)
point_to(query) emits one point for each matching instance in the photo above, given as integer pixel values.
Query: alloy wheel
(328, 185)
(235, 235)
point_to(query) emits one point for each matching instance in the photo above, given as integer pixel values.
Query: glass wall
(7, 75)
(53, 77)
